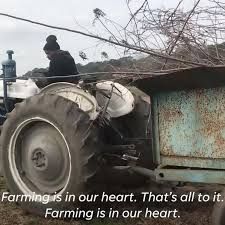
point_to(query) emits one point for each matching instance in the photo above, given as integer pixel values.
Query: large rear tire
(49, 147)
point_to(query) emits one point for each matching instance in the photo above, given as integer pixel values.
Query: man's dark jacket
(62, 64)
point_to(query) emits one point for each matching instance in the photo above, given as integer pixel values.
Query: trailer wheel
(218, 216)
(49, 151)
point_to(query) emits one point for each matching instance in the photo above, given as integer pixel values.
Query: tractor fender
(74, 93)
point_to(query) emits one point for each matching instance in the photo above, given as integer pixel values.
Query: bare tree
(193, 36)
(171, 37)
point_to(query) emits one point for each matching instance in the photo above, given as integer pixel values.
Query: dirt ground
(191, 214)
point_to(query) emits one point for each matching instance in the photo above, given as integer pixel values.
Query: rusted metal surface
(191, 162)
(191, 123)
(199, 176)
(155, 131)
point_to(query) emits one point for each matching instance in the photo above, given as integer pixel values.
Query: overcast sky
(27, 40)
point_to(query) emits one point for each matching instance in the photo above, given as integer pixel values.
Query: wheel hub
(44, 159)
(39, 159)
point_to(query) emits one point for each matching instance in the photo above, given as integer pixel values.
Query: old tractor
(55, 140)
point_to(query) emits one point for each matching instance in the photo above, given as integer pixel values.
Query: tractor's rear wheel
(49, 149)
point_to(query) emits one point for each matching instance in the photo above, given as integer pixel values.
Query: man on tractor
(61, 62)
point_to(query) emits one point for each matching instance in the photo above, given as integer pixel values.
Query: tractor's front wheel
(49, 148)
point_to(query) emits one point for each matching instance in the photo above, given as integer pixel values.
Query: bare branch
(127, 45)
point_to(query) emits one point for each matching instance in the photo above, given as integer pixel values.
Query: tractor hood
(20, 89)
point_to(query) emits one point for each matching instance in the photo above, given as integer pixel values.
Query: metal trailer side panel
(189, 128)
